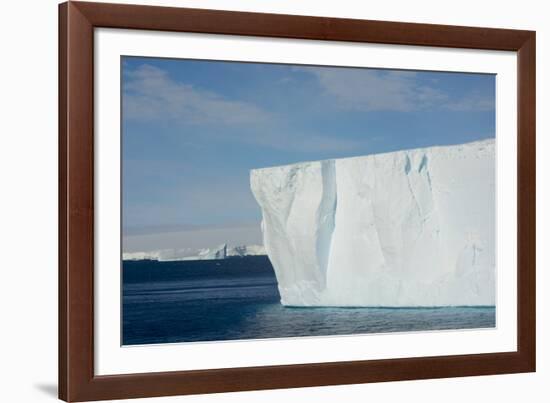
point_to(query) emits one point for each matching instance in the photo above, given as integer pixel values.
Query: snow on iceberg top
(485, 145)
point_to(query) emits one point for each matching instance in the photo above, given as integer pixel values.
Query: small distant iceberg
(246, 250)
(219, 252)
(213, 253)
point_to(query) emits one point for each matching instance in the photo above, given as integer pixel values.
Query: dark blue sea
(237, 298)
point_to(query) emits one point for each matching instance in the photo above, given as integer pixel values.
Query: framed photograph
(255, 201)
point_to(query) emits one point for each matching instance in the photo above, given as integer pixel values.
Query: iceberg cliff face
(408, 228)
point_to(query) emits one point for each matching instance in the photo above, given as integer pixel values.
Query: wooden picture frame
(77, 381)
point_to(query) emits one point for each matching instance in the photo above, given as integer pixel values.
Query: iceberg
(170, 255)
(406, 228)
(214, 253)
(246, 250)
(219, 252)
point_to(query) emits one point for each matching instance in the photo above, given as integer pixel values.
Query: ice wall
(408, 228)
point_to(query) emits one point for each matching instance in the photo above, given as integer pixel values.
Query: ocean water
(237, 298)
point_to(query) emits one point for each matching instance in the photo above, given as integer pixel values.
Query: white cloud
(376, 90)
(475, 102)
(150, 94)
(384, 90)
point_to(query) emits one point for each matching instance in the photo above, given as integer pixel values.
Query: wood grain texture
(299, 27)
(77, 21)
(527, 200)
(63, 319)
(76, 209)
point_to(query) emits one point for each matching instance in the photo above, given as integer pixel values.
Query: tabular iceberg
(216, 253)
(406, 228)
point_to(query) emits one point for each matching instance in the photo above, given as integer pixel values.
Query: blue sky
(192, 130)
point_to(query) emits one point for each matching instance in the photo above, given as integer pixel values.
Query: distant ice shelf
(406, 228)
(219, 252)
